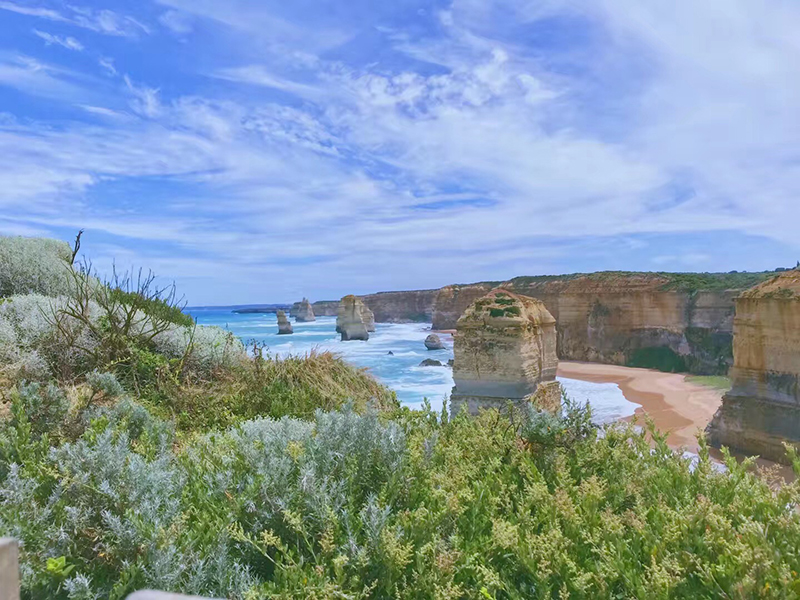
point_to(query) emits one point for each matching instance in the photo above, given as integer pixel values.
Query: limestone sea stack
(304, 312)
(368, 317)
(505, 349)
(284, 326)
(349, 321)
(434, 342)
(762, 410)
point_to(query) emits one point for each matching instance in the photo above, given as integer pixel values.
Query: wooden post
(9, 569)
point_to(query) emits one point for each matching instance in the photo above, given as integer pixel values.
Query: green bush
(413, 506)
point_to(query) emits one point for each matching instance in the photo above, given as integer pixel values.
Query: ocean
(392, 355)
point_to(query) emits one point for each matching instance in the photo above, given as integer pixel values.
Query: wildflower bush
(376, 505)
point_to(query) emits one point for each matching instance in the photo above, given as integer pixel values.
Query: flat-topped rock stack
(303, 312)
(368, 317)
(284, 326)
(350, 320)
(762, 410)
(505, 349)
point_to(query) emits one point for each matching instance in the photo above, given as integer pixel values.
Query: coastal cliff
(326, 308)
(667, 321)
(762, 410)
(672, 322)
(402, 307)
(389, 307)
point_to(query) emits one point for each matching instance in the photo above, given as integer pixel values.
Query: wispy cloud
(38, 78)
(101, 21)
(176, 21)
(70, 43)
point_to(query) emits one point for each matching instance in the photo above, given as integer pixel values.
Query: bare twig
(77, 246)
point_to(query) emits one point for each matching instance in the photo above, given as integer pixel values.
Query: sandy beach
(677, 406)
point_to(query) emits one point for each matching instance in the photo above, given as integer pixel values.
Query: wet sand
(677, 406)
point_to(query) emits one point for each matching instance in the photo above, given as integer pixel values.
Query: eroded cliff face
(326, 308)
(451, 301)
(389, 307)
(672, 322)
(762, 410)
(402, 307)
(505, 349)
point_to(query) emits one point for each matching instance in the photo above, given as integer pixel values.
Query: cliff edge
(762, 410)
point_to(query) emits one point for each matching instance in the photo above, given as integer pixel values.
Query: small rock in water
(451, 362)
(434, 342)
(390, 353)
(430, 362)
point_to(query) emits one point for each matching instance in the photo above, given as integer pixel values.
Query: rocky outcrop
(434, 342)
(303, 313)
(505, 349)
(349, 321)
(368, 318)
(762, 410)
(284, 326)
(431, 362)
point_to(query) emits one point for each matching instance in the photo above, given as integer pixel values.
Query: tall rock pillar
(762, 410)
(350, 322)
(505, 349)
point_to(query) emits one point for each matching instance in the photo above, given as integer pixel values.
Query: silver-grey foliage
(34, 266)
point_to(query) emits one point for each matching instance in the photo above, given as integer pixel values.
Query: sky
(261, 151)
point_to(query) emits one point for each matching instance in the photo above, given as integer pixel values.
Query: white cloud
(145, 99)
(101, 21)
(333, 167)
(108, 65)
(34, 77)
(176, 21)
(70, 43)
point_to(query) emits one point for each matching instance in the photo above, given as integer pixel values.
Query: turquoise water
(400, 370)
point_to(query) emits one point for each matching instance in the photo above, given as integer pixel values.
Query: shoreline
(677, 406)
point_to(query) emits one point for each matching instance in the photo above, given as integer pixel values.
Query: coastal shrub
(274, 386)
(34, 266)
(205, 348)
(402, 506)
(34, 346)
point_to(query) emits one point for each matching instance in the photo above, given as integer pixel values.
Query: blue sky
(258, 151)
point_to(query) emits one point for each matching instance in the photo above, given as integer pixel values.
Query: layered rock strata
(762, 410)
(304, 312)
(505, 349)
(402, 307)
(284, 326)
(349, 321)
(368, 317)
(672, 322)
(390, 307)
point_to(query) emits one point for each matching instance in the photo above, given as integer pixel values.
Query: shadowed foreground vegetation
(140, 450)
